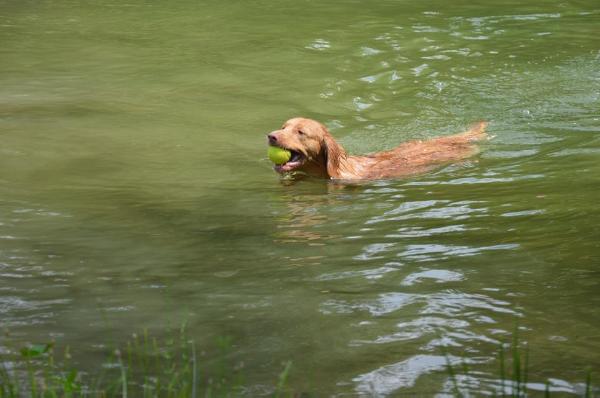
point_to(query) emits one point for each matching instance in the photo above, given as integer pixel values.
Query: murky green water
(135, 190)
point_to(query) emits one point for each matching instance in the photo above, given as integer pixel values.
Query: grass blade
(194, 371)
(588, 384)
(283, 379)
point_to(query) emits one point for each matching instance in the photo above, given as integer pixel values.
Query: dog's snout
(272, 138)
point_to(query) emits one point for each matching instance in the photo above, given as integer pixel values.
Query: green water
(135, 192)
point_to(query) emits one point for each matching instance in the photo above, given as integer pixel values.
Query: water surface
(135, 192)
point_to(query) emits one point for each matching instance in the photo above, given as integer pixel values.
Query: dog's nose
(272, 138)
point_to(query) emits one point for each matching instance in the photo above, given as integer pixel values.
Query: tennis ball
(279, 155)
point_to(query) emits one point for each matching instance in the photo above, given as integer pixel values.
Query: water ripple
(430, 252)
(385, 304)
(387, 379)
(319, 45)
(455, 211)
(373, 251)
(420, 327)
(420, 232)
(439, 275)
(370, 273)
(456, 303)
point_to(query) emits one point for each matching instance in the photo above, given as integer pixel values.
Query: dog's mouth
(296, 160)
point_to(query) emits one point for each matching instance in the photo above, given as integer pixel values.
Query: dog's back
(414, 157)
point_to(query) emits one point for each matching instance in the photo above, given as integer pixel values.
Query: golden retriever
(315, 152)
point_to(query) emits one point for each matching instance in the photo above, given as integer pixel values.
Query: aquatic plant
(143, 367)
(513, 371)
(148, 367)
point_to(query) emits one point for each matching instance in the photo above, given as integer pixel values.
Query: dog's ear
(334, 155)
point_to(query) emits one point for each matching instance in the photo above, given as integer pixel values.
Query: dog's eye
(301, 132)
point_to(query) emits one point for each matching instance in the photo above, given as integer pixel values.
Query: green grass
(513, 371)
(143, 367)
(147, 367)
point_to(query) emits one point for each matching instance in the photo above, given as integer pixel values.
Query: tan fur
(326, 158)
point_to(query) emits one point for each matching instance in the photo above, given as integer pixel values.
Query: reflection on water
(391, 378)
(134, 190)
(300, 219)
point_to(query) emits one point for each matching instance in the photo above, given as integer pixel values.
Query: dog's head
(314, 151)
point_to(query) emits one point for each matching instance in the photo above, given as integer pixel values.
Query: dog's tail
(477, 131)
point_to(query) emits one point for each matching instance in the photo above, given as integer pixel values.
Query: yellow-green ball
(279, 155)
